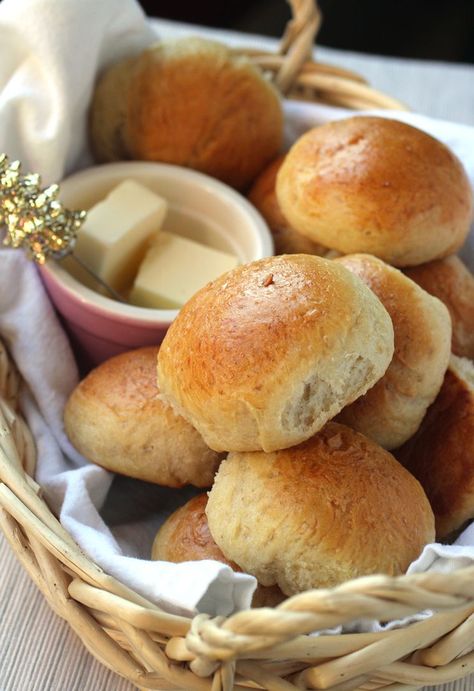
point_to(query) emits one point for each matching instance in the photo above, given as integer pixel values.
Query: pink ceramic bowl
(200, 207)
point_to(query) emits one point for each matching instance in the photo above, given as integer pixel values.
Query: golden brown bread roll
(191, 102)
(185, 536)
(285, 238)
(392, 410)
(374, 185)
(441, 454)
(115, 418)
(331, 509)
(452, 282)
(263, 356)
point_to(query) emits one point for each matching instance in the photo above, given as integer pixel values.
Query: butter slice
(174, 269)
(116, 233)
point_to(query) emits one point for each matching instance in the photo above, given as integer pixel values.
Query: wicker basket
(263, 648)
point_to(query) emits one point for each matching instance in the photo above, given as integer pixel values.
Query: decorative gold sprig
(34, 218)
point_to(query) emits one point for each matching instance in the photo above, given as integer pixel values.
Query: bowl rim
(100, 304)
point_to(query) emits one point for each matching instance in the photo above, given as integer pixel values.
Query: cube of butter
(116, 233)
(174, 269)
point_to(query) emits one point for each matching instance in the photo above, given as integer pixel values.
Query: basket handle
(297, 42)
(296, 75)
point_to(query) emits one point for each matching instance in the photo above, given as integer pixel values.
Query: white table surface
(38, 651)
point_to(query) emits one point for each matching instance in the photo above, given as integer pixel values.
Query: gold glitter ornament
(37, 221)
(33, 218)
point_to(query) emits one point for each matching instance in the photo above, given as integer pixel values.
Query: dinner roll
(191, 102)
(392, 410)
(116, 419)
(263, 196)
(185, 536)
(263, 356)
(452, 282)
(331, 509)
(368, 184)
(441, 454)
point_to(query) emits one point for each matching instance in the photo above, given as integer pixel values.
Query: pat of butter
(174, 269)
(116, 233)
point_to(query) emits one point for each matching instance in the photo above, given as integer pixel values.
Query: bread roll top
(451, 281)
(191, 102)
(116, 419)
(185, 536)
(262, 357)
(333, 508)
(379, 186)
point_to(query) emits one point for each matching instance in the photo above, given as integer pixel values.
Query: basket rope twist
(297, 76)
(264, 648)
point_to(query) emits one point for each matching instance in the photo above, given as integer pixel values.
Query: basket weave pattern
(296, 75)
(264, 648)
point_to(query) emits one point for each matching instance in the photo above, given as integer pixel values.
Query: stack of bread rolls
(295, 376)
(378, 186)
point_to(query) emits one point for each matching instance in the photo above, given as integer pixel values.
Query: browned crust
(375, 185)
(441, 454)
(193, 103)
(116, 419)
(239, 350)
(331, 509)
(263, 196)
(451, 281)
(392, 410)
(185, 536)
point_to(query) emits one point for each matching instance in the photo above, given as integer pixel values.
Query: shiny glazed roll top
(262, 357)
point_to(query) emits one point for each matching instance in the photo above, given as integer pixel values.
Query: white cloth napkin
(50, 53)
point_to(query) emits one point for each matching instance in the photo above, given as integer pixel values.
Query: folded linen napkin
(46, 80)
